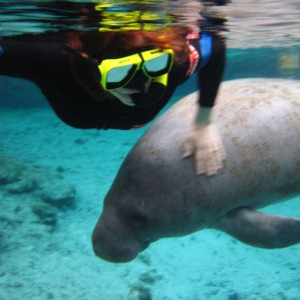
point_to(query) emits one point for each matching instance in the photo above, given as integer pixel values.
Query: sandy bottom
(59, 264)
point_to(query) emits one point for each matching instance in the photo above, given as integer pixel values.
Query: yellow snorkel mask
(150, 67)
(155, 64)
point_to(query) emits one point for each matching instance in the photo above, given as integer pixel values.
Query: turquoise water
(45, 231)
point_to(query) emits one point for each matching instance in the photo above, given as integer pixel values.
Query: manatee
(156, 193)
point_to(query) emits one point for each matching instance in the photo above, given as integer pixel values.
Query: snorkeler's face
(138, 79)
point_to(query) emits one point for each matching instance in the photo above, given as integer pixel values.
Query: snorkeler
(122, 79)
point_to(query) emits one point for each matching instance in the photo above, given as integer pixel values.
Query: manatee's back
(260, 126)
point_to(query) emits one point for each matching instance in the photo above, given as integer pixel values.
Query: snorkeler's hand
(204, 142)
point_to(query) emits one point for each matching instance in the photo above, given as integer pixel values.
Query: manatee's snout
(115, 244)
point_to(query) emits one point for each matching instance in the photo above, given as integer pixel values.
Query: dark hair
(115, 44)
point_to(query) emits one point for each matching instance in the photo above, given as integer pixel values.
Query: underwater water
(53, 179)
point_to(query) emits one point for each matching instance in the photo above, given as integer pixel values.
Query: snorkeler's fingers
(210, 160)
(207, 150)
(219, 147)
(200, 161)
(215, 161)
(216, 155)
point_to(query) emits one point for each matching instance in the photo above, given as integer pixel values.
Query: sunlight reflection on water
(251, 23)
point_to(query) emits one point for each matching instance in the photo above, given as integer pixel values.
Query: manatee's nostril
(114, 245)
(96, 242)
(145, 245)
(95, 245)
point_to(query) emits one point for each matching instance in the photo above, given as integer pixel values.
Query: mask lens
(120, 76)
(157, 64)
(115, 73)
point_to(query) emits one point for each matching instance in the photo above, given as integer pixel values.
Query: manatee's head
(135, 209)
(120, 235)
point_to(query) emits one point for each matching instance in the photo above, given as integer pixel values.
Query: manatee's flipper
(260, 229)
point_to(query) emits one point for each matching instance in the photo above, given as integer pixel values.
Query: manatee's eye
(138, 219)
(133, 217)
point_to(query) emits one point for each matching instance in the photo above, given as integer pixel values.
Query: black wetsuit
(43, 60)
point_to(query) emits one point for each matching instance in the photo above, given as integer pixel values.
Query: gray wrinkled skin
(156, 194)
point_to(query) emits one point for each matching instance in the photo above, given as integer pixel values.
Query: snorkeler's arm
(209, 79)
(29, 56)
(203, 140)
(210, 75)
